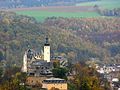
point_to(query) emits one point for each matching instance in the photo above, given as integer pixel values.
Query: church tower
(47, 50)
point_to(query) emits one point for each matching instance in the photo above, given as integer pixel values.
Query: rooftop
(54, 80)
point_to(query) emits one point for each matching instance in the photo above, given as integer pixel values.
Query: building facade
(58, 83)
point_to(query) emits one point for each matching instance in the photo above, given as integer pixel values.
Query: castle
(37, 63)
(40, 63)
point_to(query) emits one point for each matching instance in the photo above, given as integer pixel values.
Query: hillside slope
(17, 32)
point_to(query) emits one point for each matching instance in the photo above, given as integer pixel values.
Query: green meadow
(106, 4)
(41, 15)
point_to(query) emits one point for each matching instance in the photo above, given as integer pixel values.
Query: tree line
(33, 3)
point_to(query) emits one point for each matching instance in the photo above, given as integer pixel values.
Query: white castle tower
(24, 68)
(47, 51)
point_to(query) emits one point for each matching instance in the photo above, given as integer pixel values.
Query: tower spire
(47, 41)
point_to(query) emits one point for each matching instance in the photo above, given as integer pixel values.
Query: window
(42, 67)
(32, 81)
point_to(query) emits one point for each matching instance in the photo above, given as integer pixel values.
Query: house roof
(54, 80)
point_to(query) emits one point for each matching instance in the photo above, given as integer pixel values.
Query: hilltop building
(37, 63)
(41, 63)
(58, 83)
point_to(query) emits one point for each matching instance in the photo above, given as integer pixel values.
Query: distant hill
(34, 3)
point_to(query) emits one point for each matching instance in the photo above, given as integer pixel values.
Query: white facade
(115, 80)
(47, 53)
(24, 68)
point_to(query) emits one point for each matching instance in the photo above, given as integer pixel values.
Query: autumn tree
(86, 78)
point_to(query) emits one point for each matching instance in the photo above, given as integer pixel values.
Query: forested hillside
(103, 32)
(76, 39)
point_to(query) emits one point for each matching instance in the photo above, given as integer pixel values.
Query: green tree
(106, 84)
(1, 56)
(71, 86)
(1, 72)
(85, 86)
(60, 72)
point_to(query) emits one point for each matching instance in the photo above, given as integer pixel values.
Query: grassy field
(41, 15)
(83, 10)
(107, 4)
